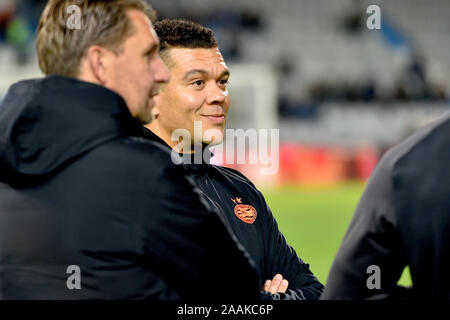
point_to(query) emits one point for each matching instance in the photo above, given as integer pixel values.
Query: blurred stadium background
(339, 93)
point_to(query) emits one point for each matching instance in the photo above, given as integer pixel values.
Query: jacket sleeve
(370, 259)
(282, 258)
(189, 246)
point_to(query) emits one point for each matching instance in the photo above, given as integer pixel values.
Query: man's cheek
(226, 106)
(190, 99)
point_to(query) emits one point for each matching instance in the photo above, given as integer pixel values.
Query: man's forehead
(139, 19)
(143, 25)
(187, 58)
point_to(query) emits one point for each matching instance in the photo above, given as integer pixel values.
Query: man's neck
(167, 138)
(85, 74)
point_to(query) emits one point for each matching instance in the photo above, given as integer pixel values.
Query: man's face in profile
(137, 70)
(197, 91)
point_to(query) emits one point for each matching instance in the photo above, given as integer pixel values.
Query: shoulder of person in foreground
(373, 243)
(186, 242)
(281, 257)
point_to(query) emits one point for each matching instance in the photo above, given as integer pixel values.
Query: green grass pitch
(314, 221)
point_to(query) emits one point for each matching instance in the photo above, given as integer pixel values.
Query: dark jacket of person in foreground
(402, 219)
(244, 209)
(80, 189)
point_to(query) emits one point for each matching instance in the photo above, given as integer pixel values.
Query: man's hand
(277, 284)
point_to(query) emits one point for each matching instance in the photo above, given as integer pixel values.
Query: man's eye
(223, 82)
(198, 83)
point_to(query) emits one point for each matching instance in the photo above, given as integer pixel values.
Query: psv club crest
(245, 212)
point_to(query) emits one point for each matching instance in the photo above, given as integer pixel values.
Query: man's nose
(162, 73)
(216, 95)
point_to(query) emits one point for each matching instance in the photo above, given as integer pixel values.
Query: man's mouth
(216, 118)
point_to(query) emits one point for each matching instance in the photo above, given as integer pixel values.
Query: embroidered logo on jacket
(244, 212)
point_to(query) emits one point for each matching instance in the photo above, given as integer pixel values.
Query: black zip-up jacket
(234, 195)
(402, 219)
(78, 186)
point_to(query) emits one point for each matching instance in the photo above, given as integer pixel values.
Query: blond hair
(61, 47)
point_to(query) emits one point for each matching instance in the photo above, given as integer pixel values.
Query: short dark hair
(179, 33)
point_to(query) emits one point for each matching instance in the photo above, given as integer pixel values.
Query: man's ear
(98, 58)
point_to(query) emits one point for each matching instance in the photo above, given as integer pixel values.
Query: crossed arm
(297, 282)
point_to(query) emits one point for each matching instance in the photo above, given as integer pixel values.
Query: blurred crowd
(411, 85)
(18, 23)
(412, 82)
(19, 19)
(227, 23)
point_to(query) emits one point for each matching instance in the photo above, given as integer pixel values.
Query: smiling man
(198, 91)
(197, 95)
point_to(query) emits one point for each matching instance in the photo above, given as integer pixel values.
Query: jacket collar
(197, 158)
